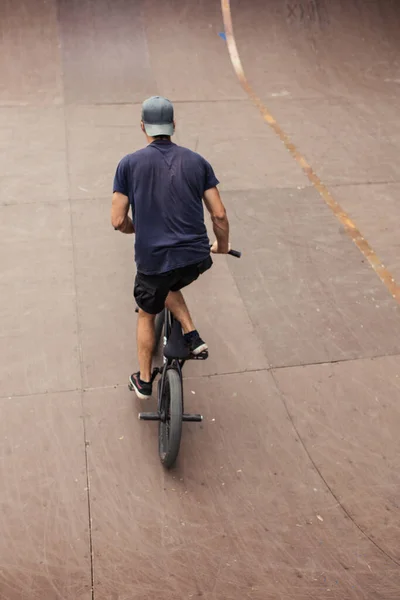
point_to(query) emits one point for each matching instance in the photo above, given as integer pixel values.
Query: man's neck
(164, 138)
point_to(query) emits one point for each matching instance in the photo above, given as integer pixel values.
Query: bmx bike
(170, 412)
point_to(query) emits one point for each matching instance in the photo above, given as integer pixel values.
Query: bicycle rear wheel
(170, 430)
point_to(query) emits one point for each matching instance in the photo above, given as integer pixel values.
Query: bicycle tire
(170, 431)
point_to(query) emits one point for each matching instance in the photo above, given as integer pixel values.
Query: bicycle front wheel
(170, 429)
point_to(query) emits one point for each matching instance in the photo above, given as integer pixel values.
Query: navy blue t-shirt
(165, 184)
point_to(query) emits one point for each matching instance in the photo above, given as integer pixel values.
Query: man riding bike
(165, 185)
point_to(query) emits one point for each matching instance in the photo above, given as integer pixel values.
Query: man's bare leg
(146, 333)
(175, 302)
(177, 305)
(145, 343)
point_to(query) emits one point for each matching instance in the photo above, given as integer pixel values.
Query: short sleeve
(121, 178)
(210, 179)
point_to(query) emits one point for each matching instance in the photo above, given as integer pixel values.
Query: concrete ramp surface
(289, 489)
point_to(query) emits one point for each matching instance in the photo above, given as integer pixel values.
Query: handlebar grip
(235, 253)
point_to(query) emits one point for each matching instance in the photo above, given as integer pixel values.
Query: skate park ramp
(289, 489)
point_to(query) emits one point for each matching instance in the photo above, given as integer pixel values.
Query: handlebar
(234, 253)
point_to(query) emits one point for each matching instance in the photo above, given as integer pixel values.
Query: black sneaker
(195, 343)
(143, 389)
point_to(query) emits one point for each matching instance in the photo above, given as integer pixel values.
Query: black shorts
(151, 291)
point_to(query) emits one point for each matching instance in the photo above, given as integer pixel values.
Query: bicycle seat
(176, 346)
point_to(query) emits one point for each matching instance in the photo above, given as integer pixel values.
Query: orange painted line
(349, 225)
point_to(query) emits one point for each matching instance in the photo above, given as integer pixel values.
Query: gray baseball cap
(158, 116)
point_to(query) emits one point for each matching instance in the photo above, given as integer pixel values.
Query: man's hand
(215, 249)
(119, 214)
(127, 226)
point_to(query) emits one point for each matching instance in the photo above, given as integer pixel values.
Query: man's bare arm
(119, 213)
(219, 218)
